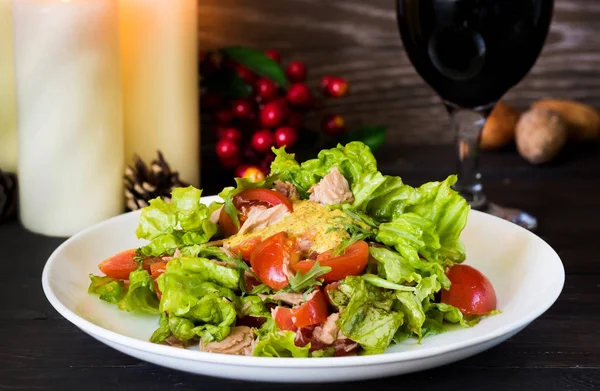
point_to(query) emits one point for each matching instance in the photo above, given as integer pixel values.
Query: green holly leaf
(372, 135)
(258, 62)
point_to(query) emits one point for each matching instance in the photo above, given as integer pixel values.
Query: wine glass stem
(468, 124)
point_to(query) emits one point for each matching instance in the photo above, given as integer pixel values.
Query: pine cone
(143, 184)
(8, 196)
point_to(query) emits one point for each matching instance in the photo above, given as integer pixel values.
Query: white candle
(69, 113)
(8, 114)
(160, 82)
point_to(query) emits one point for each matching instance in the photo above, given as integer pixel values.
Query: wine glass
(471, 52)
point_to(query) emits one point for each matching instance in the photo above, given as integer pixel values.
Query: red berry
(246, 74)
(337, 87)
(296, 72)
(243, 109)
(227, 149)
(325, 81)
(295, 120)
(224, 117)
(262, 141)
(273, 114)
(273, 55)
(210, 102)
(286, 136)
(299, 95)
(232, 134)
(266, 89)
(333, 124)
(240, 170)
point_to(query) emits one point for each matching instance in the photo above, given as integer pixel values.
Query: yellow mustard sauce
(327, 226)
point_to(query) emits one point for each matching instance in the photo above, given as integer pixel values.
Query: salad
(325, 258)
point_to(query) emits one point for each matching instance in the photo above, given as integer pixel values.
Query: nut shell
(540, 135)
(583, 121)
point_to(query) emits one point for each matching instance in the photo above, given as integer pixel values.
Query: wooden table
(39, 350)
(560, 351)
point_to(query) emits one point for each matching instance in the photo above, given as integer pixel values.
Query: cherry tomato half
(250, 197)
(351, 263)
(271, 258)
(471, 292)
(120, 265)
(313, 311)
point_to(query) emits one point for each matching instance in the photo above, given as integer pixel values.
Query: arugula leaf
(301, 281)
(261, 289)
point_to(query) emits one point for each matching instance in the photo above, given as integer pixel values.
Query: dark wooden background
(39, 350)
(359, 40)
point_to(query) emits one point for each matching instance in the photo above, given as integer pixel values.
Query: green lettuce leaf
(141, 295)
(157, 219)
(163, 331)
(183, 222)
(109, 289)
(253, 306)
(354, 160)
(368, 317)
(280, 344)
(394, 267)
(205, 270)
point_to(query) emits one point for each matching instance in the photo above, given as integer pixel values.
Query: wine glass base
(516, 216)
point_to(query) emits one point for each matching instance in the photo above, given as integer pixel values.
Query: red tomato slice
(247, 248)
(120, 265)
(471, 292)
(262, 196)
(351, 263)
(158, 268)
(250, 197)
(313, 311)
(284, 317)
(271, 258)
(148, 262)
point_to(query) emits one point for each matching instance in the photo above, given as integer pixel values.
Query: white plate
(527, 275)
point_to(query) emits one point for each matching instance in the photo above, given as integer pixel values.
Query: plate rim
(289, 362)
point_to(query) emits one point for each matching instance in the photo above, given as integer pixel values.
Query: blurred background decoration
(378, 96)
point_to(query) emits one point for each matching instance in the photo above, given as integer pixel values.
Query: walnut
(540, 134)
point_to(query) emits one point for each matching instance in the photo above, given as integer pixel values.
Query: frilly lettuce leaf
(141, 295)
(368, 317)
(280, 344)
(183, 222)
(354, 160)
(109, 289)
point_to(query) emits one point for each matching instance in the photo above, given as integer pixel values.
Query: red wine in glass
(471, 52)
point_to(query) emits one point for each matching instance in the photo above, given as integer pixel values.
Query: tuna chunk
(332, 189)
(260, 217)
(287, 189)
(214, 216)
(289, 298)
(240, 342)
(329, 331)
